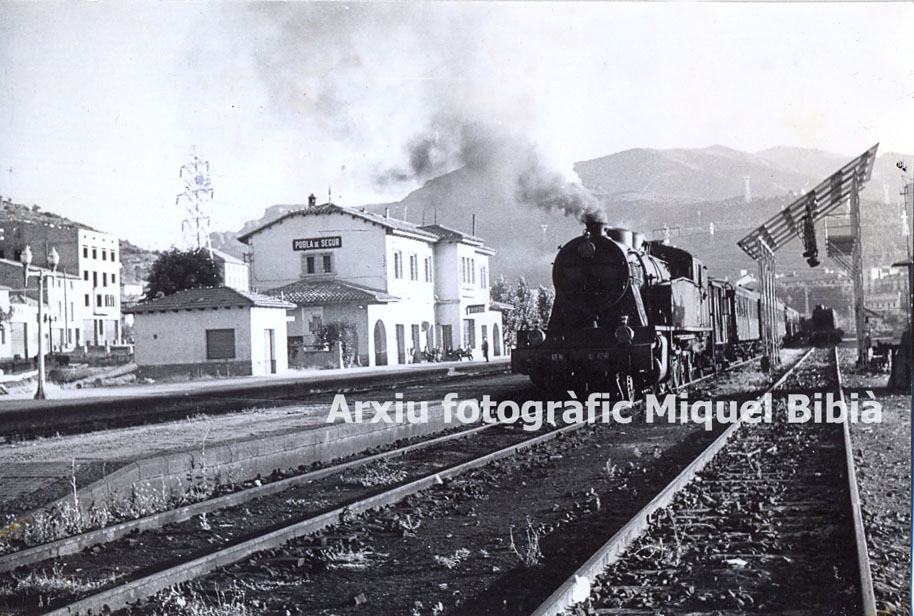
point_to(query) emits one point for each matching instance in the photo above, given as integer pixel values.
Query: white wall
(404, 287)
(235, 276)
(263, 319)
(276, 264)
(180, 337)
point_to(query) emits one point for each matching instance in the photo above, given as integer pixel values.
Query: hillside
(135, 261)
(686, 190)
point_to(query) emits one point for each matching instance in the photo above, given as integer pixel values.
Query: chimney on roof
(386, 212)
(312, 200)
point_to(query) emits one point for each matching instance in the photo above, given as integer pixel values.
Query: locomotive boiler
(629, 316)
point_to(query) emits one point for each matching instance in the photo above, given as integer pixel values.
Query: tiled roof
(446, 233)
(317, 292)
(219, 297)
(226, 257)
(332, 208)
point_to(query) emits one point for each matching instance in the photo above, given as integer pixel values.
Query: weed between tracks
(190, 602)
(530, 555)
(48, 585)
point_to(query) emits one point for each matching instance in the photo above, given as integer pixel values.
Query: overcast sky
(100, 104)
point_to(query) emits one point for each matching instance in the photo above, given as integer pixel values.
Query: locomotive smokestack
(596, 228)
(595, 223)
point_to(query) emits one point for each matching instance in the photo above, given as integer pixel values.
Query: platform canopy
(827, 196)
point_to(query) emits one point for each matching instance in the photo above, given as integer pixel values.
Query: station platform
(236, 447)
(97, 406)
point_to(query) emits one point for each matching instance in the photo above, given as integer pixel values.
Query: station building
(406, 288)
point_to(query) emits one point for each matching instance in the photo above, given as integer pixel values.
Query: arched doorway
(380, 343)
(496, 340)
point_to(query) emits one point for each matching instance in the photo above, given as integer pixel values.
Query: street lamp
(53, 261)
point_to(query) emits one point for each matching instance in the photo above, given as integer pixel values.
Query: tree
(341, 331)
(178, 270)
(545, 296)
(525, 314)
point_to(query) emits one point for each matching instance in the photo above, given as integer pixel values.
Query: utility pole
(196, 199)
(857, 260)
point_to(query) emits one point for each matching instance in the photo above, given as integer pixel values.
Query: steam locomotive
(820, 329)
(632, 316)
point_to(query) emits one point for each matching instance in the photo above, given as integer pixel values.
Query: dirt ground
(882, 453)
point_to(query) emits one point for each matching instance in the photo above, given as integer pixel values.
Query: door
(269, 350)
(401, 344)
(417, 351)
(380, 343)
(447, 337)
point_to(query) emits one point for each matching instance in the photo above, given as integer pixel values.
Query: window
(87, 300)
(98, 300)
(413, 267)
(110, 301)
(113, 256)
(428, 269)
(472, 279)
(72, 309)
(86, 252)
(94, 252)
(113, 281)
(94, 279)
(463, 269)
(220, 344)
(309, 265)
(104, 278)
(398, 264)
(328, 263)
(104, 255)
(482, 277)
(86, 275)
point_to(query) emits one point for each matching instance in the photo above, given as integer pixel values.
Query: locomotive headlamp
(536, 337)
(625, 334)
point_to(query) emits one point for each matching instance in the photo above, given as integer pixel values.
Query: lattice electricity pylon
(196, 198)
(768, 310)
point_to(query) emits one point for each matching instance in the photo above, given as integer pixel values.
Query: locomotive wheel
(627, 387)
(675, 372)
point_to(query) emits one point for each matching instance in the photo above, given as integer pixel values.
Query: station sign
(317, 243)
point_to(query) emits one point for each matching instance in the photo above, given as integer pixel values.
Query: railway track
(237, 541)
(765, 520)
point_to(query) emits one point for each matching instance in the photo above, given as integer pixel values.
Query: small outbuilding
(210, 331)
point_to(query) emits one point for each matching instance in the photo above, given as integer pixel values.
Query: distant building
(234, 271)
(406, 288)
(19, 325)
(64, 311)
(91, 255)
(210, 331)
